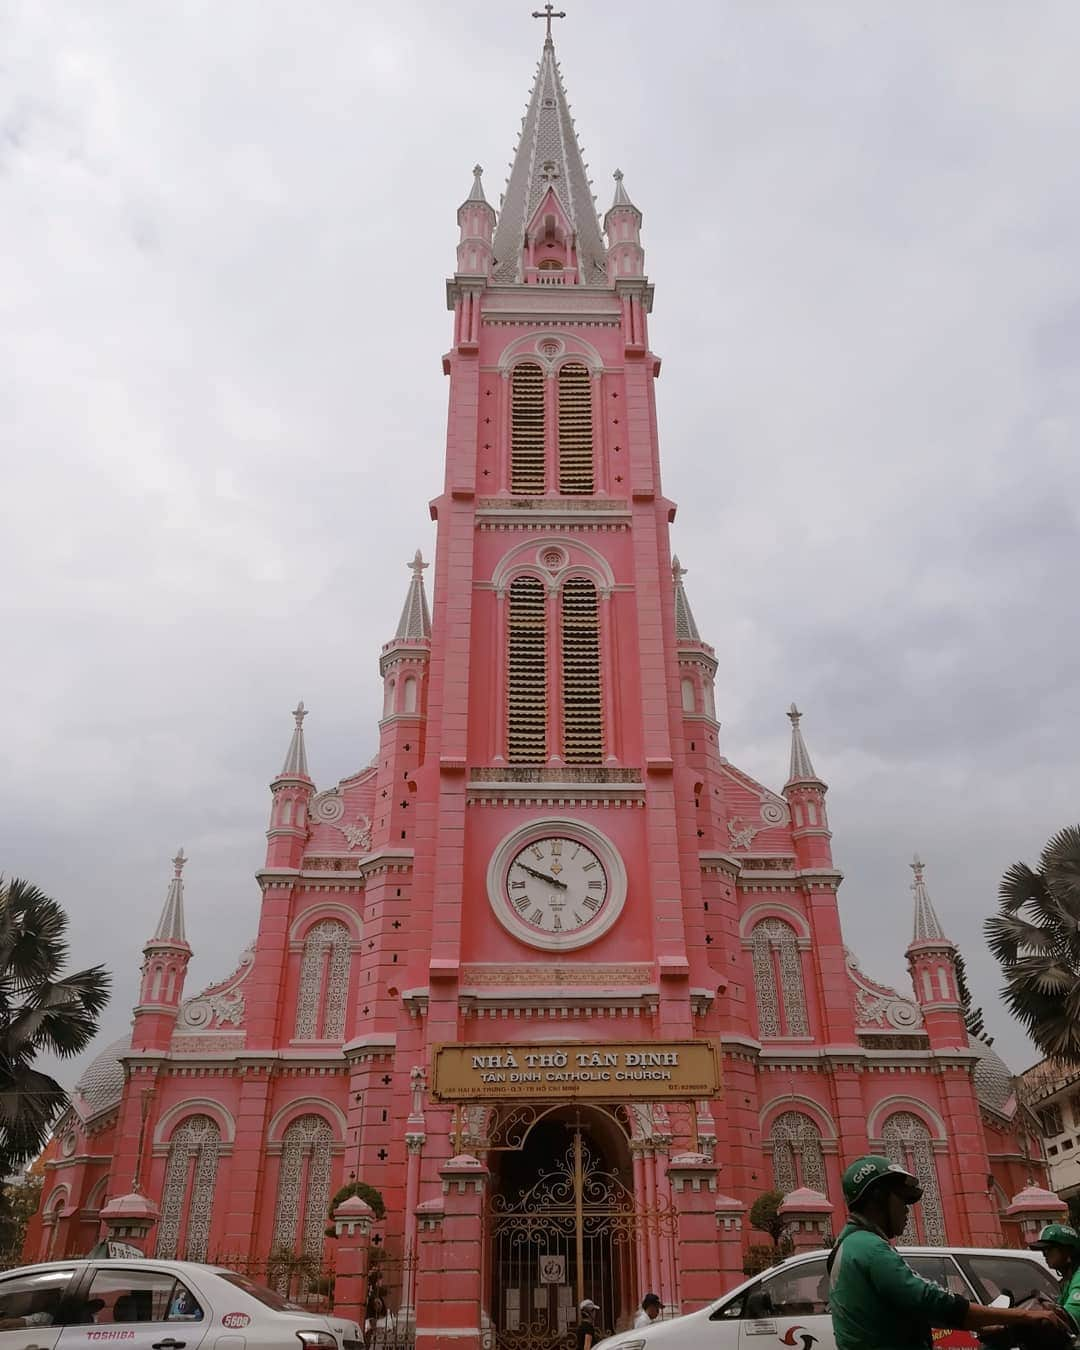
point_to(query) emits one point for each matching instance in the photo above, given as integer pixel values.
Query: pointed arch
(187, 1198)
(526, 672)
(324, 982)
(778, 980)
(583, 720)
(907, 1142)
(797, 1155)
(576, 475)
(527, 396)
(303, 1195)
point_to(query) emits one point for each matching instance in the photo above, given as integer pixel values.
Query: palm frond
(1019, 887)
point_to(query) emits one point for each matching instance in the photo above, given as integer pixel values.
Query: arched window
(324, 983)
(303, 1186)
(408, 695)
(388, 698)
(583, 725)
(575, 430)
(188, 1197)
(907, 1142)
(527, 429)
(797, 1157)
(526, 668)
(778, 982)
(688, 695)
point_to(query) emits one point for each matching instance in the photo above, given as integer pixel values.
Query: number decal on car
(235, 1320)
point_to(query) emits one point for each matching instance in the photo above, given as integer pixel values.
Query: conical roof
(548, 156)
(295, 765)
(685, 627)
(802, 770)
(927, 925)
(415, 621)
(170, 927)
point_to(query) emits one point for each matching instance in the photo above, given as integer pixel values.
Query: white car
(156, 1305)
(788, 1305)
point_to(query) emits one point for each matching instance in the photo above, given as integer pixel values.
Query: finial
(677, 569)
(418, 565)
(299, 712)
(927, 924)
(476, 192)
(296, 759)
(618, 175)
(415, 621)
(794, 714)
(801, 767)
(549, 12)
(178, 862)
(917, 866)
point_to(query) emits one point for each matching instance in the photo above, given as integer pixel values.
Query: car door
(139, 1308)
(789, 1307)
(943, 1270)
(32, 1308)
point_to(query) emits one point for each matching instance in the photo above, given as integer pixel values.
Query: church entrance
(563, 1224)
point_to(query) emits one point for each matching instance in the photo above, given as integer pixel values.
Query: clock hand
(543, 876)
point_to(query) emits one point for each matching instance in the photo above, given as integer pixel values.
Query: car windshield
(265, 1296)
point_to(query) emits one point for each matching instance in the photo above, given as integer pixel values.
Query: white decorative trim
(891, 1105)
(195, 1106)
(523, 558)
(806, 1105)
(767, 910)
(528, 349)
(569, 828)
(325, 909)
(316, 1106)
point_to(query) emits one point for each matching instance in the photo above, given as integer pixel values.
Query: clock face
(556, 885)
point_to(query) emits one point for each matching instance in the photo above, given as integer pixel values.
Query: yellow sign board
(608, 1070)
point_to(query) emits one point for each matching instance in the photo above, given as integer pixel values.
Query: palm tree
(41, 1010)
(1036, 939)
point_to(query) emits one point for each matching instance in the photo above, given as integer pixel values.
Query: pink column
(1033, 1208)
(551, 434)
(498, 702)
(693, 1187)
(448, 1308)
(129, 1218)
(352, 1223)
(648, 1167)
(502, 435)
(554, 679)
(607, 675)
(430, 1277)
(808, 1214)
(729, 1233)
(640, 1251)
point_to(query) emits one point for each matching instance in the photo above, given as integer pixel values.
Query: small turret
(622, 225)
(931, 959)
(476, 218)
(166, 956)
(291, 792)
(805, 794)
(697, 660)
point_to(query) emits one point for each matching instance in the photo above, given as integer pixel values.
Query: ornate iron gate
(577, 1232)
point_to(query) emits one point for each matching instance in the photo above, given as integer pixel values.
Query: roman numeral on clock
(556, 848)
(537, 917)
(556, 924)
(589, 866)
(596, 885)
(591, 903)
(521, 903)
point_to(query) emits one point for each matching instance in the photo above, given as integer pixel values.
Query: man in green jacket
(876, 1300)
(1060, 1245)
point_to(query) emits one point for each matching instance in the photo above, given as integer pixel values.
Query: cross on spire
(549, 12)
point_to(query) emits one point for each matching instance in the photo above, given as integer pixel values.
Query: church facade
(550, 932)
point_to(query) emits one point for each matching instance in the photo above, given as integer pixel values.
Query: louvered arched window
(526, 672)
(778, 981)
(324, 983)
(907, 1142)
(303, 1196)
(575, 430)
(187, 1199)
(796, 1153)
(583, 725)
(527, 429)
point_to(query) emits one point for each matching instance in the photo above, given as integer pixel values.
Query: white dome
(102, 1082)
(993, 1078)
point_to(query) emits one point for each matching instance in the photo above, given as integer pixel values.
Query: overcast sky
(224, 232)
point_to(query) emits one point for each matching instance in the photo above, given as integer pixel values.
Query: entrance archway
(563, 1224)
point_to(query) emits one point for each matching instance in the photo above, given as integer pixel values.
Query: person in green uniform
(1060, 1246)
(876, 1300)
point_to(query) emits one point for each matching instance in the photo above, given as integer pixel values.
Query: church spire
(415, 621)
(685, 627)
(548, 159)
(170, 927)
(927, 926)
(802, 770)
(295, 765)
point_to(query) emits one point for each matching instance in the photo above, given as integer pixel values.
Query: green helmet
(866, 1172)
(1056, 1235)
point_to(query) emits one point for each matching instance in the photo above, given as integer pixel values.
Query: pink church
(564, 984)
